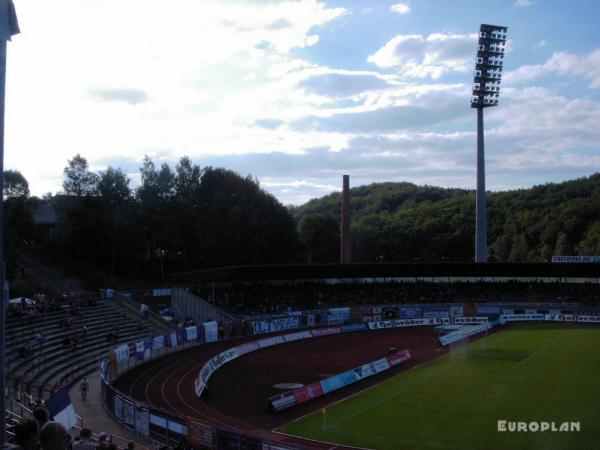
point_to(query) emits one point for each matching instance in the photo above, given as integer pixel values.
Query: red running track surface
(238, 391)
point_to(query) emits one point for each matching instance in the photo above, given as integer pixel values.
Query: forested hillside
(405, 222)
(190, 218)
(186, 218)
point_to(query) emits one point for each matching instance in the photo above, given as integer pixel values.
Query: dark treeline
(187, 218)
(404, 222)
(178, 219)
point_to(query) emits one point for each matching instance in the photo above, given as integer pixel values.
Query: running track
(238, 391)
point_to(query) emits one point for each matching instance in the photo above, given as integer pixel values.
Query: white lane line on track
(333, 444)
(156, 375)
(213, 413)
(136, 380)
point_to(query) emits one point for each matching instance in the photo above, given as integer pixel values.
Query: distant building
(49, 213)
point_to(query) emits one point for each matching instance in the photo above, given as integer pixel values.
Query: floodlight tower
(486, 90)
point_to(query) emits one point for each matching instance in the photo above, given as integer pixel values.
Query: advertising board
(469, 320)
(308, 392)
(272, 325)
(199, 434)
(489, 310)
(411, 313)
(520, 317)
(314, 390)
(325, 331)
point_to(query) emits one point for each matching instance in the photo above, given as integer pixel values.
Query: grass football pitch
(529, 372)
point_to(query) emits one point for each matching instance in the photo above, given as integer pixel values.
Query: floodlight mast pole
(480, 207)
(8, 27)
(486, 90)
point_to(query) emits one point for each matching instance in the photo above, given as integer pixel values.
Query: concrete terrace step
(54, 337)
(57, 352)
(51, 364)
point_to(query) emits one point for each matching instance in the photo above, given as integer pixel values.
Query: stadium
(444, 368)
(193, 310)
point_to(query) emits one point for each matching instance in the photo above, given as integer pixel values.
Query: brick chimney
(346, 257)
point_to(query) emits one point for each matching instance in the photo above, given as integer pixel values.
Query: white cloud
(336, 83)
(418, 56)
(400, 8)
(561, 63)
(220, 81)
(114, 79)
(524, 3)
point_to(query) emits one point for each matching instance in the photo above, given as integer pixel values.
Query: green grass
(529, 372)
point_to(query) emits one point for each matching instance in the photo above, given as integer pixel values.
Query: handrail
(13, 414)
(133, 306)
(111, 436)
(23, 407)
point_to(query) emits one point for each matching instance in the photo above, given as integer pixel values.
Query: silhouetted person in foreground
(27, 434)
(54, 436)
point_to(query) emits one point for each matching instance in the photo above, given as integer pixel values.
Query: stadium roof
(298, 272)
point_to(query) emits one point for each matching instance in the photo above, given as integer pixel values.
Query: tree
(187, 181)
(78, 180)
(18, 216)
(321, 235)
(15, 185)
(113, 186)
(590, 245)
(563, 247)
(157, 212)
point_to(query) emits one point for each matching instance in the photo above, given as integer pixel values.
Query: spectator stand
(44, 355)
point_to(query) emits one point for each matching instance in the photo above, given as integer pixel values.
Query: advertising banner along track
(305, 393)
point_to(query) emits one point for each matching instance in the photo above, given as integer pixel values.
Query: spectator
(27, 434)
(84, 387)
(40, 413)
(85, 440)
(103, 443)
(39, 338)
(131, 445)
(66, 343)
(54, 436)
(26, 351)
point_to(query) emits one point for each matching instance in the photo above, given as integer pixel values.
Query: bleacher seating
(49, 365)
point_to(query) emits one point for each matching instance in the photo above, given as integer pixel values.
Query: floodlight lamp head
(488, 65)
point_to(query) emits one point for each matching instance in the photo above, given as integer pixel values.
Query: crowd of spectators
(256, 299)
(34, 310)
(40, 432)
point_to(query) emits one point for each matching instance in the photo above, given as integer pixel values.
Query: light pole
(162, 270)
(486, 90)
(8, 27)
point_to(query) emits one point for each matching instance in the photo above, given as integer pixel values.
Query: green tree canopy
(320, 233)
(78, 180)
(405, 222)
(15, 185)
(113, 186)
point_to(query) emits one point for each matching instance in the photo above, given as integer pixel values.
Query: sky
(298, 93)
